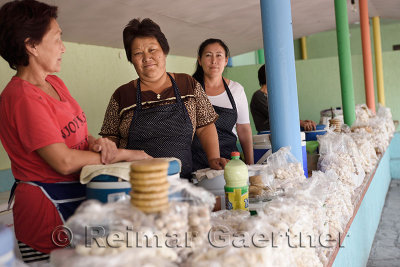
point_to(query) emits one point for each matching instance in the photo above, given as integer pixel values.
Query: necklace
(158, 96)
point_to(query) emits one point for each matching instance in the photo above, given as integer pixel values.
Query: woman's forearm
(246, 141)
(208, 137)
(67, 161)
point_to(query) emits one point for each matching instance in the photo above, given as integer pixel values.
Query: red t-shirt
(31, 119)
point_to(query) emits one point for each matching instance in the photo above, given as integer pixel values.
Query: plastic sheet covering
(118, 234)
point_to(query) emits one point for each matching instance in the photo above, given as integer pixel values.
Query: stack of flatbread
(149, 185)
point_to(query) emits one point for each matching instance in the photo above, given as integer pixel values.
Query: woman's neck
(214, 85)
(213, 81)
(31, 75)
(157, 85)
(38, 79)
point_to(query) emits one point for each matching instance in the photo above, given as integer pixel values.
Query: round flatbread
(148, 196)
(140, 182)
(255, 190)
(149, 203)
(149, 165)
(256, 180)
(154, 209)
(151, 188)
(148, 175)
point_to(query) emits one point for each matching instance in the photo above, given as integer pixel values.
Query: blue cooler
(261, 145)
(174, 170)
(259, 151)
(107, 188)
(173, 167)
(7, 257)
(312, 135)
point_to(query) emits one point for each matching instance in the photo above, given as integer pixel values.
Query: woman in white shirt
(229, 101)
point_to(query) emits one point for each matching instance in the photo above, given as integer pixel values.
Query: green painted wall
(92, 73)
(249, 58)
(324, 44)
(318, 83)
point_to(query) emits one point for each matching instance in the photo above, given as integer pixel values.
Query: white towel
(120, 170)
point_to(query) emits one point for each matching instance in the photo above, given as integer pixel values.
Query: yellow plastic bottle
(236, 177)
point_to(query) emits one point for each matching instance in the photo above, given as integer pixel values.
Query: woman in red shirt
(43, 129)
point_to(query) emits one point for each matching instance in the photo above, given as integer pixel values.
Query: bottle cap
(235, 154)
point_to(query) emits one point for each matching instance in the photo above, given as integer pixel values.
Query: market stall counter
(328, 219)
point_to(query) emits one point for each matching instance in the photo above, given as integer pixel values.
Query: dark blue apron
(227, 139)
(163, 131)
(66, 196)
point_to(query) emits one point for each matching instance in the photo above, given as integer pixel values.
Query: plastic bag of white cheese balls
(363, 140)
(339, 153)
(363, 115)
(236, 239)
(116, 234)
(285, 168)
(183, 190)
(385, 115)
(107, 230)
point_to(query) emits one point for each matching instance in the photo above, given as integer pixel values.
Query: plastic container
(107, 188)
(7, 256)
(326, 115)
(216, 186)
(236, 177)
(304, 154)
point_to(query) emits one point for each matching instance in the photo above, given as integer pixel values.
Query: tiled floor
(385, 250)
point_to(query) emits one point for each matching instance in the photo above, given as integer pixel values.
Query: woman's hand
(67, 161)
(105, 147)
(132, 155)
(308, 125)
(217, 163)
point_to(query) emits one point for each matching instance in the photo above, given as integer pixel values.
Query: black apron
(66, 196)
(227, 139)
(163, 131)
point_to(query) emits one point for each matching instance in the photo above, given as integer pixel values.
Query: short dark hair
(261, 76)
(199, 73)
(145, 28)
(21, 20)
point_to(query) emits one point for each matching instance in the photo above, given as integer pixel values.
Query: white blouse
(239, 96)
